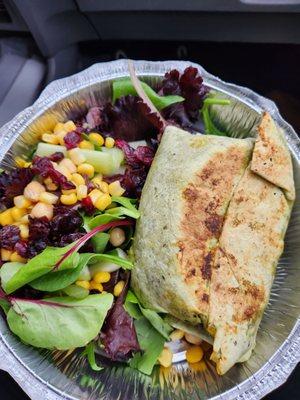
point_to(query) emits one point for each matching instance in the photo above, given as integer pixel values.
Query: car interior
(254, 43)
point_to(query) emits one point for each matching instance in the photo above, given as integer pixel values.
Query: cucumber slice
(107, 162)
(46, 149)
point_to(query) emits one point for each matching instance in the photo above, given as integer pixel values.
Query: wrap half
(182, 208)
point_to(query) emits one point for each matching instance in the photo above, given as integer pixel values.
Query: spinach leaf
(209, 126)
(119, 211)
(125, 202)
(152, 344)
(41, 265)
(60, 322)
(89, 352)
(5, 305)
(101, 219)
(8, 270)
(57, 280)
(152, 316)
(100, 241)
(123, 87)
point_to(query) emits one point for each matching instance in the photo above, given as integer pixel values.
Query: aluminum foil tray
(56, 375)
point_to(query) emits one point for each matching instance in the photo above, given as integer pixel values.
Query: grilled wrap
(182, 208)
(214, 212)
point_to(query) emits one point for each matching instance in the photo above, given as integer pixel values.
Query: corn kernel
(119, 288)
(83, 284)
(24, 231)
(77, 179)
(97, 181)
(85, 144)
(69, 191)
(76, 156)
(50, 138)
(192, 338)
(96, 286)
(5, 254)
(6, 217)
(95, 194)
(165, 358)
(103, 202)
(69, 126)
(96, 138)
(68, 199)
(115, 189)
(22, 202)
(61, 136)
(86, 169)
(101, 277)
(15, 257)
(177, 334)
(81, 192)
(59, 127)
(17, 213)
(103, 186)
(117, 237)
(48, 198)
(50, 185)
(25, 219)
(42, 210)
(109, 142)
(67, 163)
(33, 191)
(20, 162)
(194, 354)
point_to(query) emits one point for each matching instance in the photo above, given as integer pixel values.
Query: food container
(66, 375)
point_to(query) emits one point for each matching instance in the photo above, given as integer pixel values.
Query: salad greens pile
(48, 264)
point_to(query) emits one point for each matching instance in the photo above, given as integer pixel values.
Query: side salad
(67, 223)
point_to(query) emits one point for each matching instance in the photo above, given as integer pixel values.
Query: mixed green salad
(67, 224)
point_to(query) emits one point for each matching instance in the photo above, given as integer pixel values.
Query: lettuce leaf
(124, 87)
(40, 265)
(152, 344)
(57, 280)
(60, 322)
(152, 316)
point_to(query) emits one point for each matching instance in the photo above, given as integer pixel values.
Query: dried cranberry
(138, 163)
(88, 205)
(21, 248)
(56, 157)
(12, 184)
(43, 166)
(65, 221)
(72, 139)
(9, 236)
(39, 228)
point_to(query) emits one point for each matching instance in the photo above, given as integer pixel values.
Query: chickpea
(33, 191)
(42, 210)
(117, 237)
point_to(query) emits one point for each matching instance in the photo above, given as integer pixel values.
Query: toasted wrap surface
(182, 208)
(211, 232)
(271, 157)
(249, 248)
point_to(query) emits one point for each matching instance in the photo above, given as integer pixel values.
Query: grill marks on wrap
(210, 191)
